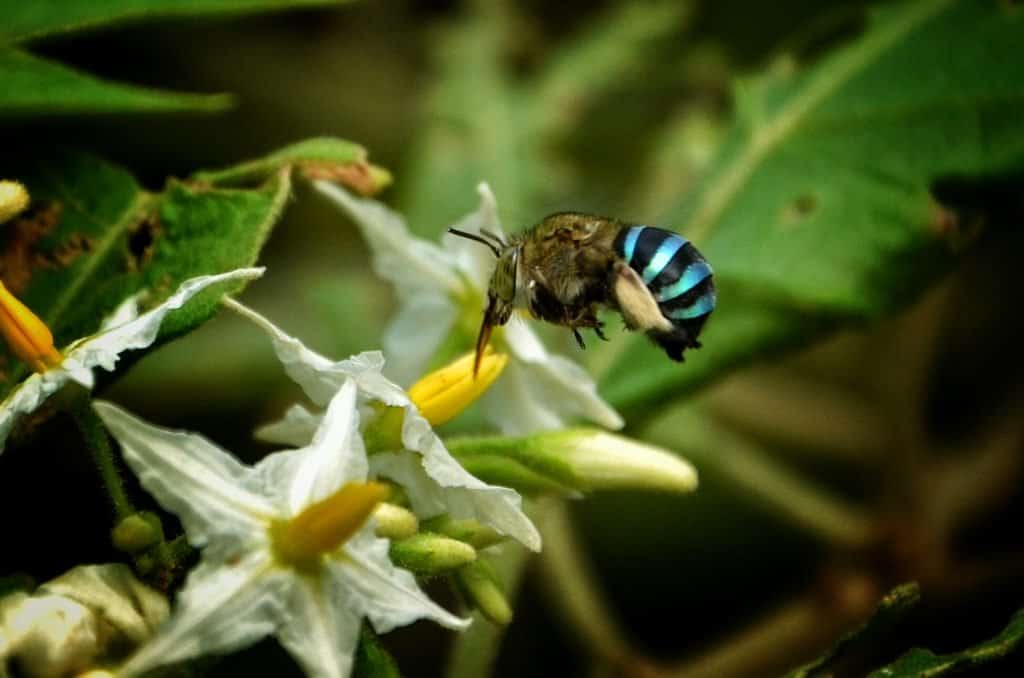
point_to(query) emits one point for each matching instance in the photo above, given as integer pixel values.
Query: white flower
(88, 615)
(124, 330)
(441, 289)
(252, 581)
(433, 480)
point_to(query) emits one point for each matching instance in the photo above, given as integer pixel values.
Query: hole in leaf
(799, 209)
(22, 235)
(142, 242)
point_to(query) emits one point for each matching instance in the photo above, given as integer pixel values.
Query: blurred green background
(888, 451)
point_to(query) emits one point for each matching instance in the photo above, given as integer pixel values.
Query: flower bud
(472, 532)
(137, 532)
(573, 460)
(442, 394)
(479, 584)
(28, 337)
(604, 461)
(394, 522)
(428, 554)
(13, 199)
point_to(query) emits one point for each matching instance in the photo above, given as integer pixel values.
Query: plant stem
(574, 589)
(96, 439)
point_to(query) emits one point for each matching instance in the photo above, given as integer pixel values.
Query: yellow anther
(28, 336)
(324, 526)
(444, 393)
(13, 199)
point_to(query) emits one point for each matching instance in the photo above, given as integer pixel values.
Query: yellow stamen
(324, 526)
(443, 394)
(28, 336)
(13, 199)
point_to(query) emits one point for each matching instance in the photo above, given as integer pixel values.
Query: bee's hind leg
(599, 331)
(579, 338)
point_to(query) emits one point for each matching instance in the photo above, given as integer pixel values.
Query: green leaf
(93, 237)
(892, 608)
(321, 158)
(27, 20)
(478, 130)
(31, 86)
(817, 211)
(490, 124)
(921, 663)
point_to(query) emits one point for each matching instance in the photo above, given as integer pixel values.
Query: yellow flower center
(28, 336)
(324, 526)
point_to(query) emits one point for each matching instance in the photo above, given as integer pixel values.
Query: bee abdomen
(678, 277)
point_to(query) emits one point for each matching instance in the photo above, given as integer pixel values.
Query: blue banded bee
(570, 264)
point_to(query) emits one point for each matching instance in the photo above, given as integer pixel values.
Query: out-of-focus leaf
(32, 86)
(26, 20)
(606, 52)
(817, 210)
(487, 124)
(476, 131)
(892, 608)
(93, 237)
(921, 663)
(324, 158)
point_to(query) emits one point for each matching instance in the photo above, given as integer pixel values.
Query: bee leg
(599, 331)
(579, 338)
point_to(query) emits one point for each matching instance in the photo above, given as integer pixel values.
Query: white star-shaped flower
(124, 330)
(286, 546)
(434, 481)
(441, 287)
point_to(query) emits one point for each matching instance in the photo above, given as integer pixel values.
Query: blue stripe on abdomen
(666, 250)
(702, 306)
(629, 244)
(691, 277)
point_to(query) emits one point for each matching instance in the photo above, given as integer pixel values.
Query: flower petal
(318, 376)
(473, 260)
(223, 607)
(191, 477)
(334, 457)
(367, 580)
(322, 629)
(438, 483)
(295, 428)
(103, 349)
(547, 391)
(28, 396)
(410, 263)
(415, 334)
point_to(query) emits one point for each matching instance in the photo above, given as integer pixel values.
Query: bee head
(501, 293)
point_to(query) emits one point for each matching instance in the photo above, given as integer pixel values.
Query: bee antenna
(471, 236)
(493, 236)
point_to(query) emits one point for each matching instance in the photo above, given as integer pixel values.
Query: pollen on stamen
(324, 526)
(27, 335)
(442, 394)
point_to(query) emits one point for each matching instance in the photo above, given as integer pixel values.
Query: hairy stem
(96, 439)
